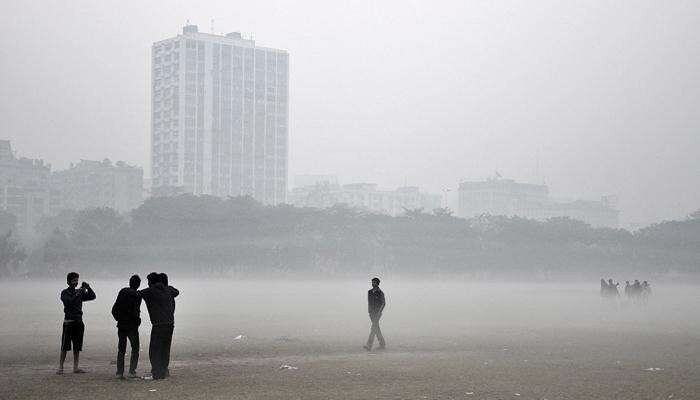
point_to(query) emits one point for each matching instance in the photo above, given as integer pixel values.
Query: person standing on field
(127, 312)
(161, 310)
(73, 327)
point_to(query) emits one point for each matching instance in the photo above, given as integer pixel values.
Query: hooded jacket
(160, 303)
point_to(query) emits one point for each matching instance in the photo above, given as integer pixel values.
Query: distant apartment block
(90, 184)
(24, 188)
(506, 197)
(220, 116)
(364, 196)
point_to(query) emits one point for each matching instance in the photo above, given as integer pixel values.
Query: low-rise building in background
(301, 181)
(24, 187)
(365, 196)
(100, 184)
(496, 196)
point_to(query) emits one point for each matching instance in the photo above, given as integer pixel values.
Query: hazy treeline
(208, 235)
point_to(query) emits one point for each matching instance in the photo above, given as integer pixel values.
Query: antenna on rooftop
(537, 165)
(212, 26)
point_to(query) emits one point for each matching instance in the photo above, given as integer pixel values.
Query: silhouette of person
(604, 291)
(612, 287)
(166, 351)
(159, 301)
(646, 291)
(637, 288)
(73, 326)
(127, 312)
(628, 288)
(375, 304)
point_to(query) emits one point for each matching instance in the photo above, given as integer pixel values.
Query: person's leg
(167, 342)
(372, 333)
(135, 348)
(62, 360)
(378, 333)
(76, 361)
(121, 351)
(153, 352)
(77, 337)
(158, 369)
(65, 347)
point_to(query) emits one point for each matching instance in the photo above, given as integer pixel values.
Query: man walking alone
(375, 304)
(127, 312)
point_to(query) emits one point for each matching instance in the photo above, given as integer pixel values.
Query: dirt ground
(475, 343)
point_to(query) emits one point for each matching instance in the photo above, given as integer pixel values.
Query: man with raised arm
(161, 310)
(166, 350)
(73, 326)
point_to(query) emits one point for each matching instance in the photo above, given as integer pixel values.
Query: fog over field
(444, 339)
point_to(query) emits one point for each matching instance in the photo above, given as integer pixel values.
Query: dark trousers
(375, 331)
(159, 349)
(133, 335)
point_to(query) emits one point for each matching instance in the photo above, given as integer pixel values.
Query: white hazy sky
(393, 92)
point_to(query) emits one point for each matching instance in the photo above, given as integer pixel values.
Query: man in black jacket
(166, 350)
(127, 312)
(73, 327)
(375, 304)
(161, 310)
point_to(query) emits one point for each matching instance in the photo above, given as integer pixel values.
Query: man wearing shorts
(73, 327)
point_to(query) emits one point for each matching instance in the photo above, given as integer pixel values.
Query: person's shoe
(79, 371)
(132, 375)
(381, 348)
(59, 371)
(368, 348)
(120, 377)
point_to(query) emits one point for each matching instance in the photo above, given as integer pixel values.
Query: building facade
(89, 184)
(24, 188)
(220, 116)
(497, 196)
(365, 196)
(313, 180)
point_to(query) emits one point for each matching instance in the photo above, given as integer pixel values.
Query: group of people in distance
(160, 301)
(637, 292)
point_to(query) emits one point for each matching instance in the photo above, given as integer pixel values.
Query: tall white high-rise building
(220, 117)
